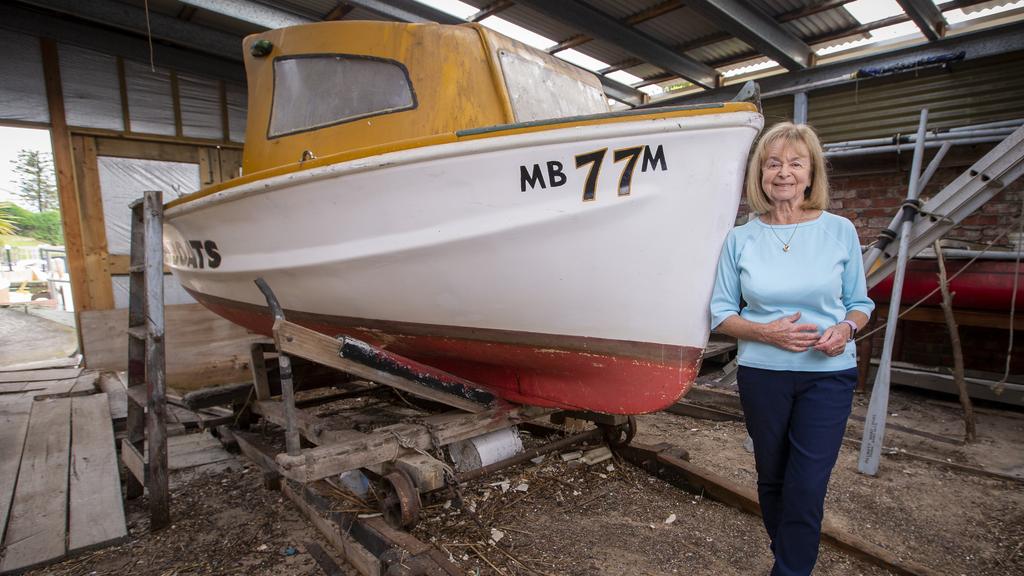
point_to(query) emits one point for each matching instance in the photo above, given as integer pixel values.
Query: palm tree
(6, 219)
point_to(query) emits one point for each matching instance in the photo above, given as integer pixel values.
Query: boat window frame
(405, 71)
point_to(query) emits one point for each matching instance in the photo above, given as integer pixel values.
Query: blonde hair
(757, 198)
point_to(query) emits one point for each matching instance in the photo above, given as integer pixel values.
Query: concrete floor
(26, 337)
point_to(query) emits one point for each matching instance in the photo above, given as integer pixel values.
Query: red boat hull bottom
(575, 373)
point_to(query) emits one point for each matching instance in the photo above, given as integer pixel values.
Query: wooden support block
(310, 427)
(37, 528)
(356, 555)
(427, 473)
(387, 443)
(95, 515)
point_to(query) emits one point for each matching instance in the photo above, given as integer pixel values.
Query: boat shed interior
(198, 447)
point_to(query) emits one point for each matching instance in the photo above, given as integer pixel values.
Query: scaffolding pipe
(902, 147)
(874, 424)
(930, 137)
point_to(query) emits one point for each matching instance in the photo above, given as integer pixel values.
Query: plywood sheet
(203, 349)
(40, 375)
(37, 528)
(95, 511)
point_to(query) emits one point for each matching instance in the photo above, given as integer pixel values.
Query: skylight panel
(582, 60)
(868, 11)
(453, 7)
(958, 15)
(518, 33)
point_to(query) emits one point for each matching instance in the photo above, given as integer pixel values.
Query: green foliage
(36, 180)
(7, 222)
(43, 226)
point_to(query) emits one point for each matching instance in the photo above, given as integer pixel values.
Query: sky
(11, 141)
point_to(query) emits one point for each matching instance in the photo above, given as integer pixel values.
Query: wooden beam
(94, 232)
(122, 83)
(312, 428)
(222, 100)
(63, 161)
(356, 555)
(157, 138)
(133, 148)
(389, 442)
(322, 349)
(117, 265)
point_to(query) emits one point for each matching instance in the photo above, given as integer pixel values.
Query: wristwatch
(853, 328)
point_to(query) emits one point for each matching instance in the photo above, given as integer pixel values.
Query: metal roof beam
(927, 16)
(599, 25)
(760, 31)
(407, 11)
(980, 44)
(621, 92)
(127, 17)
(250, 12)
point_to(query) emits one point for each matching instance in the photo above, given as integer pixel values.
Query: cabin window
(542, 92)
(314, 91)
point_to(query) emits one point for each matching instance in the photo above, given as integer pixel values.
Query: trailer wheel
(620, 435)
(401, 504)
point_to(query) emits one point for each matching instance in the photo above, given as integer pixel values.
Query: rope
(998, 387)
(951, 278)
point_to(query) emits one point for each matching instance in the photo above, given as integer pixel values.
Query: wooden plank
(366, 563)
(147, 150)
(40, 375)
(118, 264)
(48, 390)
(86, 383)
(71, 362)
(311, 427)
(388, 442)
(203, 349)
(13, 425)
(95, 512)
(122, 82)
(64, 165)
(117, 396)
(323, 349)
(37, 528)
(94, 232)
(258, 366)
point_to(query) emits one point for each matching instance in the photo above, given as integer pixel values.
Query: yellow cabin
(341, 87)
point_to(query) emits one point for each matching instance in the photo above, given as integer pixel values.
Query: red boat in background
(986, 285)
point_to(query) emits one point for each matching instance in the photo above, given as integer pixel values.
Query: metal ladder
(958, 200)
(144, 451)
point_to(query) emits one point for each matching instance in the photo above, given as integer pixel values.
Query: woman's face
(786, 171)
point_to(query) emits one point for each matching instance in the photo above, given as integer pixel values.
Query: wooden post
(63, 161)
(156, 403)
(970, 432)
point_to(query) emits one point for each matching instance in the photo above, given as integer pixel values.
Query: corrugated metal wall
(974, 92)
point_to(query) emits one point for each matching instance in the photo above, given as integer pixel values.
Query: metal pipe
(531, 454)
(1004, 123)
(963, 254)
(930, 137)
(800, 107)
(291, 428)
(901, 147)
(874, 425)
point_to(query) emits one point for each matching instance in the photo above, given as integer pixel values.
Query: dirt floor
(610, 518)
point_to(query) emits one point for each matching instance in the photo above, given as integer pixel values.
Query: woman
(791, 289)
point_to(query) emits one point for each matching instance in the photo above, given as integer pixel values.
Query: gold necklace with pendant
(785, 245)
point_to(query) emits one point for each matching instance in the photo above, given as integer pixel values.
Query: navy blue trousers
(797, 421)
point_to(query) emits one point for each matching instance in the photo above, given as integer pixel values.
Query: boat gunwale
(327, 166)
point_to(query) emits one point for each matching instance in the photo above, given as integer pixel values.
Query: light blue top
(821, 276)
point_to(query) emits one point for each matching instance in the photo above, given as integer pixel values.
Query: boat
(986, 284)
(471, 203)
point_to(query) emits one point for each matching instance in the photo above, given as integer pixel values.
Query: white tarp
(200, 107)
(122, 180)
(150, 103)
(92, 93)
(173, 292)
(22, 89)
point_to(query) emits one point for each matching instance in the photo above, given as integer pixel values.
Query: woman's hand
(788, 335)
(833, 341)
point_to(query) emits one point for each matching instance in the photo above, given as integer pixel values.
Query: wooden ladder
(144, 451)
